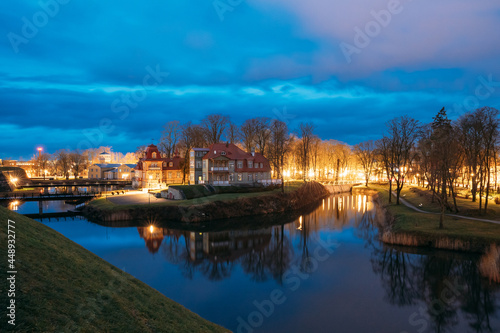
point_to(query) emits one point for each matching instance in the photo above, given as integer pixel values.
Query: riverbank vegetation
(408, 227)
(61, 286)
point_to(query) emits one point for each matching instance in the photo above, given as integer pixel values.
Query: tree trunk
(441, 217)
(398, 191)
(390, 190)
(487, 189)
(454, 198)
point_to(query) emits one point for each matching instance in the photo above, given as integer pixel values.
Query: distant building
(155, 171)
(101, 170)
(104, 158)
(111, 171)
(30, 167)
(227, 164)
(9, 163)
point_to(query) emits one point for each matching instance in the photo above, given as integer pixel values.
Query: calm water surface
(320, 272)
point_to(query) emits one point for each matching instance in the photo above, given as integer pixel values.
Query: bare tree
(402, 133)
(191, 136)
(169, 138)
(279, 146)
(248, 133)
(63, 162)
(232, 133)
(479, 132)
(139, 152)
(306, 134)
(78, 162)
(315, 153)
(262, 134)
(43, 161)
(366, 154)
(214, 126)
(384, 152)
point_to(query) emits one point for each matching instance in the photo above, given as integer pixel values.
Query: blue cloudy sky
(76, 74)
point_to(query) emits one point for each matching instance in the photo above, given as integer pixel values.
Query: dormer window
(223, 152)
(170, 164)
(154, 154)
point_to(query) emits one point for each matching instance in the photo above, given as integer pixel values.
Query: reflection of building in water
(153, 237)
(227, 245)
(214, 246)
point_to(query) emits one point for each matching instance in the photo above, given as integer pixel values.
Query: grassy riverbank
(426, 226)
(61, 286)
(108, 204)
(211, 208)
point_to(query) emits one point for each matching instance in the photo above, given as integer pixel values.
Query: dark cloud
(62, 83)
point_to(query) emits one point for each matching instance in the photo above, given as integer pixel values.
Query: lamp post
(39, 160)
(149, 188)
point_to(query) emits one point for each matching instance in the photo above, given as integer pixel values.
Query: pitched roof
(230, 150)
(176, 160)
(106, 165)
(233, 152)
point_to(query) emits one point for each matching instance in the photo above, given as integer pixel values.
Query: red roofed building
(155, 171)
(227, 164)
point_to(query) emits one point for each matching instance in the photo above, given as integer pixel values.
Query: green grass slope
(62, 287)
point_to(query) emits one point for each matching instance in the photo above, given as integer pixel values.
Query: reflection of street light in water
(300, 223)
(151, 228)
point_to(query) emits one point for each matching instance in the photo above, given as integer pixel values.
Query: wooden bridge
(75, 182)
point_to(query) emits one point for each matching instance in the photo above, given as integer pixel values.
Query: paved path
(135, 197)
(409, 205)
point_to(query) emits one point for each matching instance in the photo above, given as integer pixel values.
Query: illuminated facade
(227, 164)
(155, 171)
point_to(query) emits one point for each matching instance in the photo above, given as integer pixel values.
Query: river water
(324, 271)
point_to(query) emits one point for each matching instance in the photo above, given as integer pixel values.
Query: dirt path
(409, 205)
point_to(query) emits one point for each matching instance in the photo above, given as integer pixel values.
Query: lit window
(171, 164)
(240, 177)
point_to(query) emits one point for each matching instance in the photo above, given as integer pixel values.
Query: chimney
(253, 151)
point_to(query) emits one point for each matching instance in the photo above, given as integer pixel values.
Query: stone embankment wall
(308, 194)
